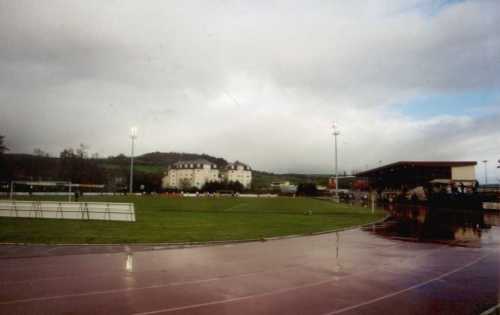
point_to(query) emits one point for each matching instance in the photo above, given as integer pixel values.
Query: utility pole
(336, 133)
(133, 136)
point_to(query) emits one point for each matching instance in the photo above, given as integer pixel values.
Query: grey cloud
(256, 81)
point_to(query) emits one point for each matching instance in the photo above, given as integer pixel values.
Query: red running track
(352, 272)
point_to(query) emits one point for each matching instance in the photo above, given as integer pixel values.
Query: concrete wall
(463, 172)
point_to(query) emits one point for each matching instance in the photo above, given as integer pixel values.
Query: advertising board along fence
(108, 211)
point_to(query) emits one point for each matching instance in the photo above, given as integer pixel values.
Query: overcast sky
(257, 81)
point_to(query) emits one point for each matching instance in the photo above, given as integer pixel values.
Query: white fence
(68, 210)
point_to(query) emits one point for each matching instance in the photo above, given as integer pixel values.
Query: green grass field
(162, 219)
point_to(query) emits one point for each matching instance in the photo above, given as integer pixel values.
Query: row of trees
(303, 189)
(77, 165)
(3, 149)
(307, 189)
(73, 165)
(213, 187)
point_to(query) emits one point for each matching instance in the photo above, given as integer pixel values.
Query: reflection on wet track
(453, 227)
(418, 262)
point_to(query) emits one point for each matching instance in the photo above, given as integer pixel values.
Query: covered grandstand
(411, 174)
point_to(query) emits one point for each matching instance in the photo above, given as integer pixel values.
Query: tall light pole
(485, 172)
(133, 136)
(498, 166)
(336, 132)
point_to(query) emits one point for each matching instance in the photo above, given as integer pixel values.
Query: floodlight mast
(133, 136)
(336, 133)
(498, 166)
(485, 172)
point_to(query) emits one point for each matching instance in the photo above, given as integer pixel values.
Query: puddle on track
(471, 228)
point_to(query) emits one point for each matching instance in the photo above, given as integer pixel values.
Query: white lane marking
(491, 310)
(121, 273)
(187, 307)
(234, 207)
(55, 297)
(157, 286)
(192, 306)
(112, 291)
(413, 287)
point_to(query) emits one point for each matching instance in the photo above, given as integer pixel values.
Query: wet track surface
(411, 264)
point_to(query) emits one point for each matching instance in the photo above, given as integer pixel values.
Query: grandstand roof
(413, 164)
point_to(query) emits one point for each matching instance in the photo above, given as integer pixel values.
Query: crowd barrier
(68, 210)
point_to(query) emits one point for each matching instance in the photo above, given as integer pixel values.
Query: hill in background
(148, 167)
(166, 159)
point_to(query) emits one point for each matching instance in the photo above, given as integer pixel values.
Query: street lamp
(133, 136)
(485, 172)
(336, 132)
